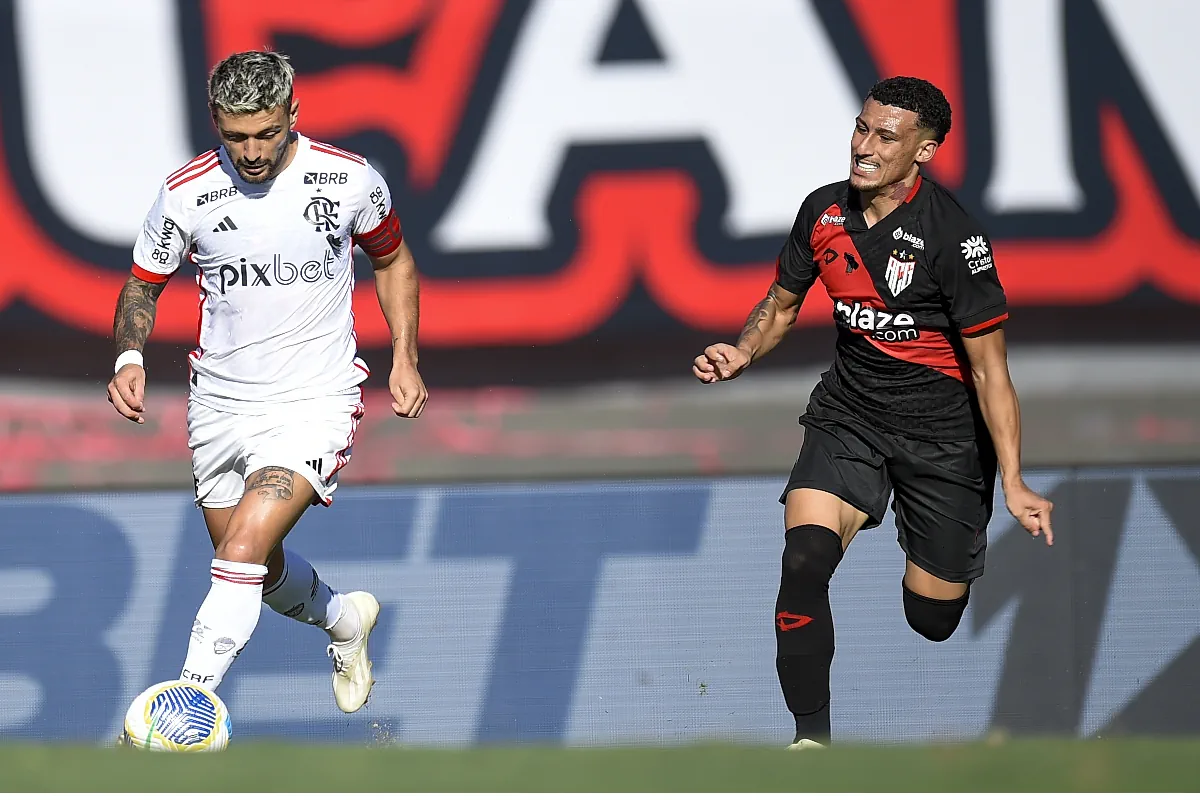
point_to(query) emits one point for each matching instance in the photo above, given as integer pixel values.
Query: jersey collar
(856, 221)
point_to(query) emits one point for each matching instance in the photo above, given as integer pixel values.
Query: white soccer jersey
(274, 268)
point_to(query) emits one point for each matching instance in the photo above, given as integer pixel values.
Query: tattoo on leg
(273, 483)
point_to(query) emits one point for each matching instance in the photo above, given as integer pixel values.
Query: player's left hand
(1030, 508)
(408, 390)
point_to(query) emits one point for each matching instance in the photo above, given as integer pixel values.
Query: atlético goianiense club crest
(900, 268)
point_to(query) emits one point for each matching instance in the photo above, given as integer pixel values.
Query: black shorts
(943, 490)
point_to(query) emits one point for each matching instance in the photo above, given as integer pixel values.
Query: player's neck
(878, 203)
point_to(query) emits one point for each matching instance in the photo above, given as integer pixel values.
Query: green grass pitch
(1023, 765)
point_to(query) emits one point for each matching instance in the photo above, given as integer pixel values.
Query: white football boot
(352, 673)
(806, 744)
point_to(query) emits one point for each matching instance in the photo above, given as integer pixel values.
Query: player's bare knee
(244, 544)
(934, 619)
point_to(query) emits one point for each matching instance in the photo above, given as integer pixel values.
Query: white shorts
(313, 438)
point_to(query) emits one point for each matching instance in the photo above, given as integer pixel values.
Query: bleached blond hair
(246, 83)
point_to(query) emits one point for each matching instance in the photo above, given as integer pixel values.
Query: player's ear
(293, 113)
(926, 150)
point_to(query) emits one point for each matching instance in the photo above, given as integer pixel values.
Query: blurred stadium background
(578, 543)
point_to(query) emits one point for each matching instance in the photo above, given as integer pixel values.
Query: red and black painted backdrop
(638, 265)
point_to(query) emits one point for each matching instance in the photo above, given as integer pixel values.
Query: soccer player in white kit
(269, 219)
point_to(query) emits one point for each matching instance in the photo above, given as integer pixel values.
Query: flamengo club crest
(321, 213)
(900, 268)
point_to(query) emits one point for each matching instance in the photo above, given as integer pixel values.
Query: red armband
(383, 239)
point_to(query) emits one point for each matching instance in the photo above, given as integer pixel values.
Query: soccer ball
(178, 716)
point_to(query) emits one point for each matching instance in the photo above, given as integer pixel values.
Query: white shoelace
(338, 662)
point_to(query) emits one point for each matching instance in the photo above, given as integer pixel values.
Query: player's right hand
(127, 392)
(720, 362)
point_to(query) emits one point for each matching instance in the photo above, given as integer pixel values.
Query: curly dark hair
(919, 96)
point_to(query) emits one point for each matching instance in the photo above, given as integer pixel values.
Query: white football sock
(302, 595)
(225, 621)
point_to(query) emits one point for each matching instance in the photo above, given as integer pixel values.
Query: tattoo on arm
(767, 310)
(272, 483)
(760, 313)
(134, 318)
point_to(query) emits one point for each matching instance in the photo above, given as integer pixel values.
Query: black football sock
(804, 627)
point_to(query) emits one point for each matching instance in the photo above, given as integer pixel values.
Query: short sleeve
(966, 271)
(164, 240)
(794, 269)
(376, 226)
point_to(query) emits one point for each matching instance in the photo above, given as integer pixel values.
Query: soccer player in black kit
(918, 405)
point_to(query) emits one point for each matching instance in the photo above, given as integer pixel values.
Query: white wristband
(129, 357)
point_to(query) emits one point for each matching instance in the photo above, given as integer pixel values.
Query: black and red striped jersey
(904, 291)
